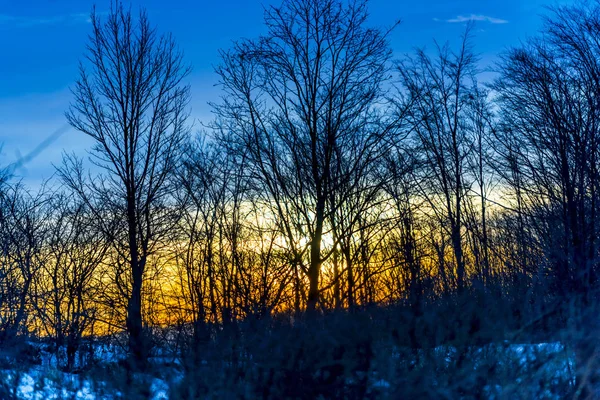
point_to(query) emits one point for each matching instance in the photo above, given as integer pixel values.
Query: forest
(350, 224)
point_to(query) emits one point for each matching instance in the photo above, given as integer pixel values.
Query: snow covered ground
(516, 368)
(42, 384)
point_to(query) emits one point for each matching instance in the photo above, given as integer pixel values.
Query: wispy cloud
(475, 17)
(25, 21)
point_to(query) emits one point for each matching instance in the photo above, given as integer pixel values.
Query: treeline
(333, 177)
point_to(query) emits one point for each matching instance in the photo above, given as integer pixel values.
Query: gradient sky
(42, 42)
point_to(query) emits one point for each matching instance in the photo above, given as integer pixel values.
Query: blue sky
(42, 42)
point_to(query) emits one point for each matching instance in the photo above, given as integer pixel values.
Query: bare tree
(25, 219)
(300, 101)
(549, 93)
(481, 124)
(437, 92)
(131, 100)
(65, 287)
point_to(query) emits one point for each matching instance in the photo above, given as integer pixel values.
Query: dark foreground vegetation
(348, 226)
(380, 352)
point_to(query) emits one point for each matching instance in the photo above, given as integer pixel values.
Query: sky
(42, 42)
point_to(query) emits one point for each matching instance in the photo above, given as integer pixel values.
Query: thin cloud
(475, 17)
(25, 22)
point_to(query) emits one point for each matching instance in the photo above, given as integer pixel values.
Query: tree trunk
(336, 278)
(315, 258)
(137, 345)
(458, 254)
(349, 267)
